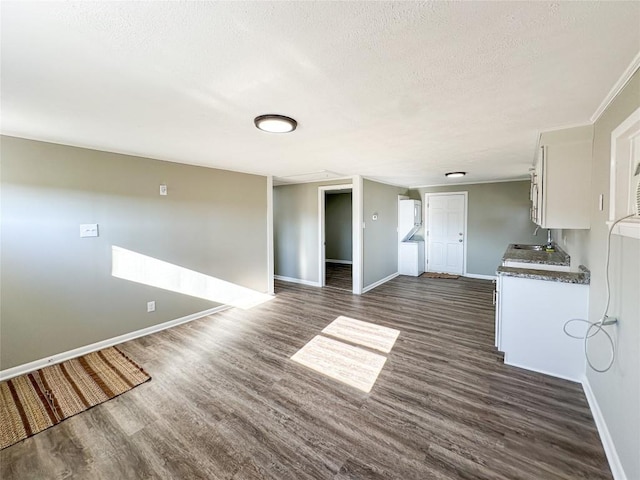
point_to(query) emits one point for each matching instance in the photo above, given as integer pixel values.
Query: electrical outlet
(151, 306)
(163, 189)
(88, 230)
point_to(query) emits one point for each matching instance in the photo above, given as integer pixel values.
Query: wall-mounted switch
(163, 189)
(151, 306)
(89, 230)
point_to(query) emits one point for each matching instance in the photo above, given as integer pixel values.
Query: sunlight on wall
(349, 364)
(139, 268)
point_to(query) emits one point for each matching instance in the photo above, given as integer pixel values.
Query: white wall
(617, 392)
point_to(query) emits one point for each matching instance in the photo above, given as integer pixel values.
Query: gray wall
(498, 215)
(617, 391)
(57, 290)
(338, 226)
(380, 237)
(295, 230)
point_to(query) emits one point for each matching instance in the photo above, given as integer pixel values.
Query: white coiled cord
(596, 327)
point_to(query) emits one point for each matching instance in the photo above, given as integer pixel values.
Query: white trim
(517, 179)
(479, 276)
(358, 238)
(77, 352)
(309, 283)
(627, 228)
(617, 87)
(605, 437)
(379, 282)
(321, 227)
(511, 364)
(623, 132)
(270, 260)
(333, 260)
(425, 209)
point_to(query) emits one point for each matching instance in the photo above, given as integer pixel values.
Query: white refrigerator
(411, 245)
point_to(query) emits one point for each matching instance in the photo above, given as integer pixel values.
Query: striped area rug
(36, 401)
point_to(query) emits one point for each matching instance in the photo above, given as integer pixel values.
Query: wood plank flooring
(226, 402)
(338, 275)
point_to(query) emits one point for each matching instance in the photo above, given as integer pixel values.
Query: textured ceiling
(400, 92)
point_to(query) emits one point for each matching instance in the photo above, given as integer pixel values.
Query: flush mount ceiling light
(455, 174)
(275, 123)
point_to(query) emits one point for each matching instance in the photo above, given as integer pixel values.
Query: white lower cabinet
(411, 258)
(496, 302)
(530, 315)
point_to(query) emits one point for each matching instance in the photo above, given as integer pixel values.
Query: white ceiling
(401, 92)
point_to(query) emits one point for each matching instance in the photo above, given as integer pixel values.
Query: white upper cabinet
(561, 179)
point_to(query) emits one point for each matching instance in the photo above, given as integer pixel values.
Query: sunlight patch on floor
(348, 364)
(134, 266)
(362, 333)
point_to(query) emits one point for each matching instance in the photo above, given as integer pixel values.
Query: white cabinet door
(445, 233)
(561, 181)
(532, 314)
(496, 303)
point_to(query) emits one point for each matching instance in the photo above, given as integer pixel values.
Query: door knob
(460, 240)
(460, 233)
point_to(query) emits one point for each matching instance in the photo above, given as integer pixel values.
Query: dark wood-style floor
(226, 402)
(338, 275)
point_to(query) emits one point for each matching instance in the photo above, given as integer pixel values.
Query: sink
(537, 248)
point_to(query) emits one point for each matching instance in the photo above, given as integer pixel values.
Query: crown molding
(617, 87)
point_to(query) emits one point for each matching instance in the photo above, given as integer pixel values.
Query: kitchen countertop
(583, 277)
(559, 257)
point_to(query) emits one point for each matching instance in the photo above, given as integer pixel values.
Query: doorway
(336, 237)
(446, 230)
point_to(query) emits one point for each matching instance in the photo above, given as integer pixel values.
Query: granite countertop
(583, 277)
(559, 257)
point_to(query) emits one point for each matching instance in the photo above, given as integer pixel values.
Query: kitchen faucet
(549, 244)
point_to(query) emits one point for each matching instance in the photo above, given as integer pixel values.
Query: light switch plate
(163, 189)
(88, 230)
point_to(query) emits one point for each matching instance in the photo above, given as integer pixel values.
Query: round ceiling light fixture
(273, 123)
(455, 174)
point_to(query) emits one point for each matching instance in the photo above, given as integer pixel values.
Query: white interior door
(446, 220)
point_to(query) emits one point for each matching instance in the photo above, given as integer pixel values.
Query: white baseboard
(481, 277)
(379, 282)
(605, 437)
(297, 280)
(77, 352)
(524, 367)
(344, 262)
